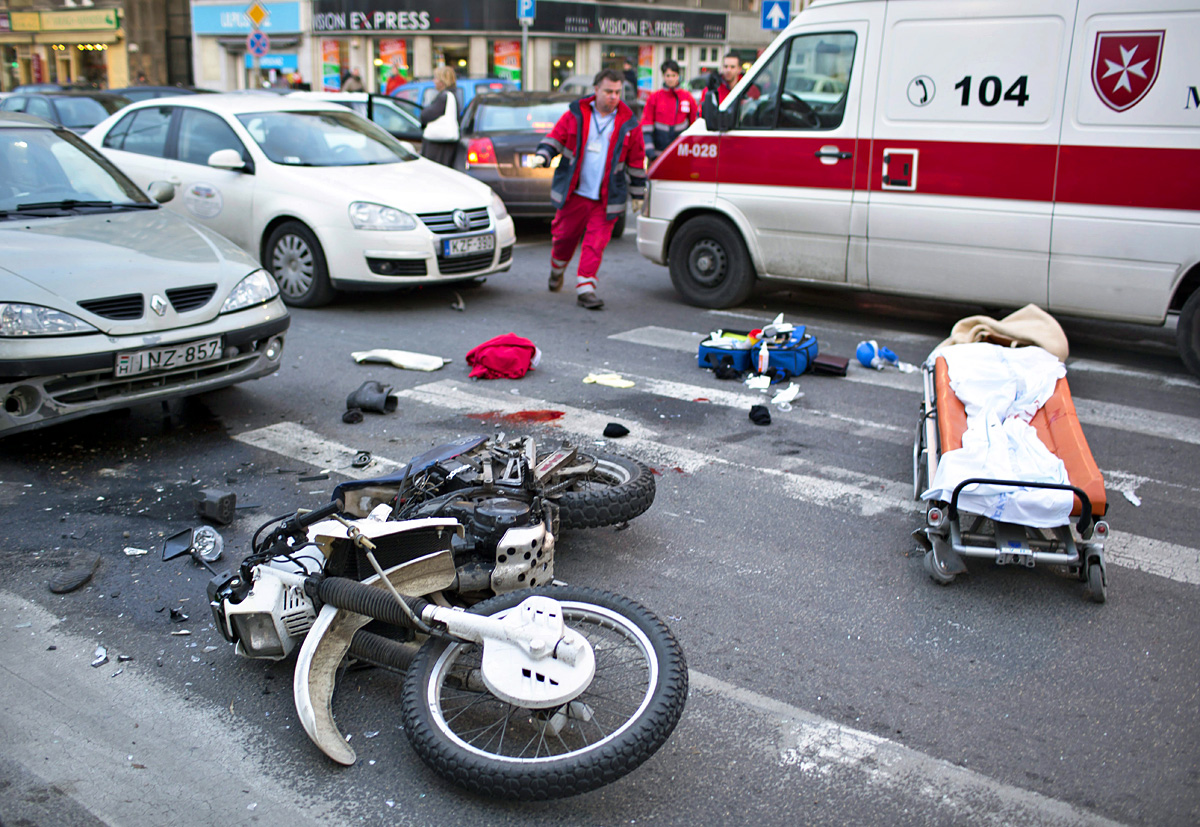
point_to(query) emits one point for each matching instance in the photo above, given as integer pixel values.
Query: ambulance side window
(803, 86)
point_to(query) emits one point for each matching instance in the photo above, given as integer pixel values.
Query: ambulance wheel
(295, 258)
(709, 263)
(1188, 333)
(1095, 578)
(619, 227)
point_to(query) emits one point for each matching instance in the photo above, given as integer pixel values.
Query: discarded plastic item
(99, 657)
(785, 397)
(216, 505)
(80, 570)
(758, 382)
(871, 355)
(615, 430)
(458, 304)
(1133, 498)
(400, 359)
(180, 633)
(130, 551)
(611, 380)
(759, 415)
(372, 396)
(906, 367)
(504, 357)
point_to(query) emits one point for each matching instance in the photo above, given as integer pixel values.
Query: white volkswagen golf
(324, 198)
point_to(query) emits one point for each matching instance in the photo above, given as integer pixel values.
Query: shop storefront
(85, 46)
(407, 39)
(219, 32)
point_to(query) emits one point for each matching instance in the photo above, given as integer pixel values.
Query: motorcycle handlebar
(299, 521)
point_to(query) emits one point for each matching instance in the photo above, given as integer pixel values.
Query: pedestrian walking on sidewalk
(603, 167)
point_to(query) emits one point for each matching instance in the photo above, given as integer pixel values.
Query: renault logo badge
(460, 220)
(158, 304)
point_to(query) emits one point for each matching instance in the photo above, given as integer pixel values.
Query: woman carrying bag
(440, 119)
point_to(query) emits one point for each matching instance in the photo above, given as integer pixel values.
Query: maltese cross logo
(1125, 66)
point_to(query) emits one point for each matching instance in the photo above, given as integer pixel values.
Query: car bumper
(651, 238)
(37, 391)
(366, 259)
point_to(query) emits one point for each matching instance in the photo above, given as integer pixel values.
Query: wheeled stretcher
(952, 533)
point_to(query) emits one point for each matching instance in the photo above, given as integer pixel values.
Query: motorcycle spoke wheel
(615, 490)
(495, 748)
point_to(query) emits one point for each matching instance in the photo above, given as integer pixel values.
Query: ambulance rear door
(787, 165)
(964, 148)
(1127, 205)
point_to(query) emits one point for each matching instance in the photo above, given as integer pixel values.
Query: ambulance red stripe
(1101, 175)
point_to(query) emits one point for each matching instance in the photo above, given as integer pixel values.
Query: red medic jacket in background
(667, 114)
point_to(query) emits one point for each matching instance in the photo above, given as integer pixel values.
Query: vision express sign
(553, 17)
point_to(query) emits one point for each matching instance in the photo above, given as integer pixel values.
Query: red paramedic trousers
(580, 219)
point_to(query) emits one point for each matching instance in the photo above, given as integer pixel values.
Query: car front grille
(464, 264)
(184, 299)
(121, 308)
(442, 223)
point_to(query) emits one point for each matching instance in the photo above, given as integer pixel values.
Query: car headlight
(498, 208)
(35, 320)
(255, 288)
(367, 216)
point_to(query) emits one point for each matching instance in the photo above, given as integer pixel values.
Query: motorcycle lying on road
(514, 687)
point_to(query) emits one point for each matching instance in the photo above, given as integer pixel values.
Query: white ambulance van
(997, 152)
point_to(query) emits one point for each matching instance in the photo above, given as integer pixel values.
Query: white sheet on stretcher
(1002, 388)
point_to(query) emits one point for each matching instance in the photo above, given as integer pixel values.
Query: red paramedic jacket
(667, 114)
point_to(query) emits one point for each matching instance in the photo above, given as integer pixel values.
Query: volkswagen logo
(158, 304)
(460, 220)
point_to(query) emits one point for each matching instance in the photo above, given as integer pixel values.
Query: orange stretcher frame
(950, 535)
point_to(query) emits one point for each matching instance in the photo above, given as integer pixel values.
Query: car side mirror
(229, 159)
(161, 191)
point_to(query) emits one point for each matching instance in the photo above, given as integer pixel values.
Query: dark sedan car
(500, 134)
(77, 111)
(137, 94)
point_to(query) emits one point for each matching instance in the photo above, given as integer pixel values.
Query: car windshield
(537, 117)
(43, 168)
(80, 112)
(323, 139)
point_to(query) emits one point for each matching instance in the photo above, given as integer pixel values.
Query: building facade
(99, 43)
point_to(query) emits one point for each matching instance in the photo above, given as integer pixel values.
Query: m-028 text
(698, 150)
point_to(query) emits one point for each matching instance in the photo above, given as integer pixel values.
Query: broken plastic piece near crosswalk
(785, 397)
(401, 359)
(611, 380)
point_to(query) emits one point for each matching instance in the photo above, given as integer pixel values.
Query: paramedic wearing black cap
(668, 112)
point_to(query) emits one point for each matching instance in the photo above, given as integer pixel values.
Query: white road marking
(1091, 366)
(820, 747)
(881, 335)
(1091, 412)
(815, 484)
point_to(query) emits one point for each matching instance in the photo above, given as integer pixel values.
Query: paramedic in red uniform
(731, 73)
(668, 112)
(603, 166)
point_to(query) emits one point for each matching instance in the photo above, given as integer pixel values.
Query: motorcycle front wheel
(490, 747)
(615, 491)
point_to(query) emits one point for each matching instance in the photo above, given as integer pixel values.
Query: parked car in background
(500, 134)
(399, 117)
(421, 92)
(324, 198)
(108, 300)
(76, 110)
(137, 94)
(56, 87)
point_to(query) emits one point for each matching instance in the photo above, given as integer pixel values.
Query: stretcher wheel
(1095, 578)
(935, 572)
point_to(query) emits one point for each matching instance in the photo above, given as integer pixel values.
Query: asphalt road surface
(831, 681)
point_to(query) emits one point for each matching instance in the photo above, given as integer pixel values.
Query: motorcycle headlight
(255, 288)
(367, 216)
(498, 208)
(35, 320)
(258, 635)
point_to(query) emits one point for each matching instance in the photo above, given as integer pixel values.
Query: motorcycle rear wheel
(616, 491)
(490, 747)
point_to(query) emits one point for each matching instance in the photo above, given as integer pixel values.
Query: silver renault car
(108, 300)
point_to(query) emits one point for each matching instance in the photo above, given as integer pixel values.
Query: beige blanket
(1028, 326)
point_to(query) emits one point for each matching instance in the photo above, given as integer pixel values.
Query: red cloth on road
(580, 219)
(504, 357)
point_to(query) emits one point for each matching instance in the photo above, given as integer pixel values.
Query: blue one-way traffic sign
(775, 14)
